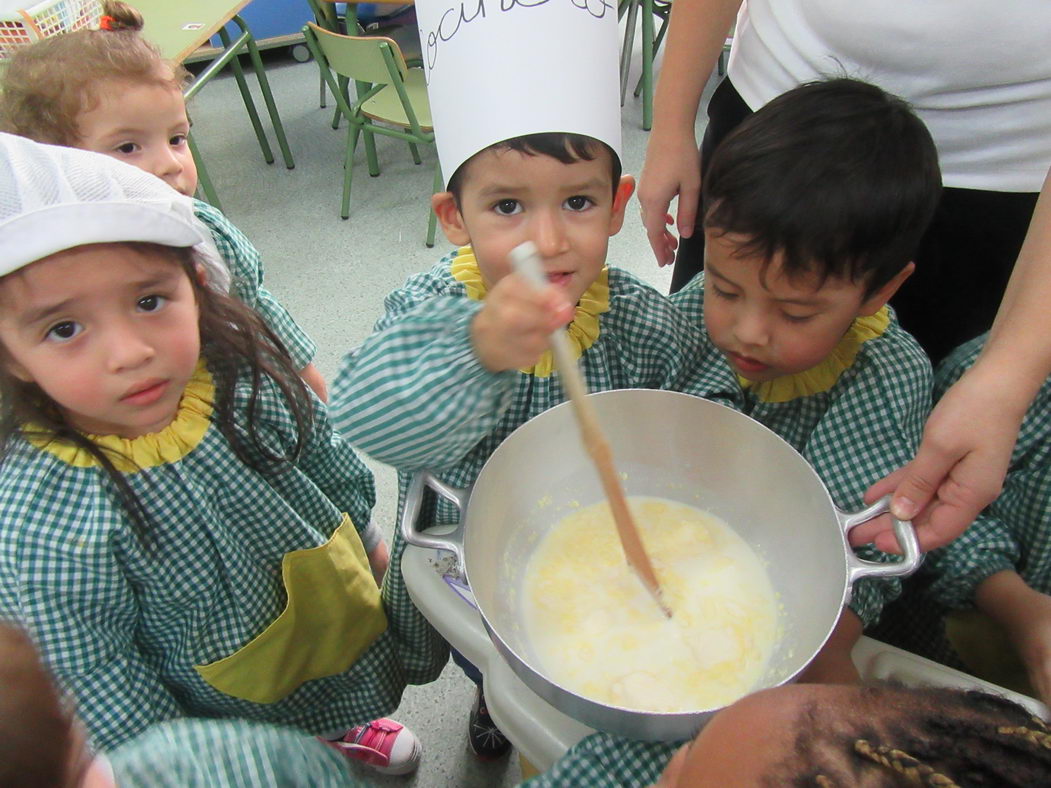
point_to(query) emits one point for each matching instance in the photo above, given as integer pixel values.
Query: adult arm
(696, 34)
(967, 442)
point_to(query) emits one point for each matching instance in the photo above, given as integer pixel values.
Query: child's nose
(751, 329)
(549, 234)
(128, 350)
(166, 165)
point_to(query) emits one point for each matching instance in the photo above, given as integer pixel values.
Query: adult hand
(960, 466)
(672, 167)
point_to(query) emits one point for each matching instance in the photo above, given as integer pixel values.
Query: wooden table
(179, 28)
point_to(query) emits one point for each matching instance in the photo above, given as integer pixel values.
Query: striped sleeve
(201, 753)
(414, 395)
(606, 761)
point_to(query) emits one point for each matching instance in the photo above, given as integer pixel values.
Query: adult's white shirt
(977, 72)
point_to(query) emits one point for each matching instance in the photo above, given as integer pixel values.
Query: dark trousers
(962, 266)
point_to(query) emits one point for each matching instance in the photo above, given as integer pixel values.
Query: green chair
(388, 92)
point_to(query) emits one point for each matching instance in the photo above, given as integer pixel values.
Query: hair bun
(119, 16)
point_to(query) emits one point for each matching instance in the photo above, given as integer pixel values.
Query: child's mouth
(146, 394)
(560, 278)
(747, 364)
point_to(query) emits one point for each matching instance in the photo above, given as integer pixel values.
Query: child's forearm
(1007, 599)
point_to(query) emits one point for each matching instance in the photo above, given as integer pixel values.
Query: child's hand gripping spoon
(526, 261)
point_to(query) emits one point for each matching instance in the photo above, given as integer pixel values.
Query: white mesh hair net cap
(54, 198)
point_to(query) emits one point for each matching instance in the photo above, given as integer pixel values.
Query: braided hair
(921, 737)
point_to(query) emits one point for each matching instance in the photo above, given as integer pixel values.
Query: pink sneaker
(384, 745)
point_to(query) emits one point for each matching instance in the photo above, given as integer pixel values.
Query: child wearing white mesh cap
(183, 534)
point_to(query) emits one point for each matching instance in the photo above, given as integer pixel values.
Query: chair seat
(386, 106)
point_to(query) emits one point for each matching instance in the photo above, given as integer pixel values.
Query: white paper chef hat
(498, 69)
(54, 198)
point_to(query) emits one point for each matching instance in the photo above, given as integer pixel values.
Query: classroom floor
(333, 275)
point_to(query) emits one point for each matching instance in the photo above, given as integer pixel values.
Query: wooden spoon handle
(526, 261)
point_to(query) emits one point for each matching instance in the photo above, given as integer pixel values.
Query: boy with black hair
(814, 207)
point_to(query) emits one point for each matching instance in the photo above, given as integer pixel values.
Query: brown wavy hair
(49, 84)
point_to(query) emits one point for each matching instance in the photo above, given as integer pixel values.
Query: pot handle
(912, 557)
(452, 541)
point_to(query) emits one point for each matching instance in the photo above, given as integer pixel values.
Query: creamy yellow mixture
(596, 631)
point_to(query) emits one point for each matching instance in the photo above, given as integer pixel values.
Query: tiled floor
(333, 275)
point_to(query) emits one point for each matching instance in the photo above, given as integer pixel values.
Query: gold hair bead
(1036, 738)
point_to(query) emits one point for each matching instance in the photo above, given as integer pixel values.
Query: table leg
(268, 96)
(204, 182)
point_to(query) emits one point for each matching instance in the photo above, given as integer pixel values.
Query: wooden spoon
(526, 261)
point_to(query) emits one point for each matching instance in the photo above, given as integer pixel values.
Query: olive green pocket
(332, 615)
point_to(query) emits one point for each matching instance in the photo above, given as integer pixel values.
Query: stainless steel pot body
(672, 446)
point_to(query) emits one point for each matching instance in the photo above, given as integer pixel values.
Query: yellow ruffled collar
(584, 329)
(823, 376)
(171, 444)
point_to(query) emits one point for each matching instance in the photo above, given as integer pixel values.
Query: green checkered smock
(122, 620)
(1012, 533)
(246, 268)
(415, 396)
(195, 753)
(867, 423)
(605, 761)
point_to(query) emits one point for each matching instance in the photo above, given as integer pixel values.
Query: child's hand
(1025, 614)
(513, 328)
(379, 560)
(833, 663)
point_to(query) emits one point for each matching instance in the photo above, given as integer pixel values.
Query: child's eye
(151, 303)
(508, 207)
(177, 141)
(127, 148)
(64, 331)
(723, 293)
(797, 318)
(578, 202)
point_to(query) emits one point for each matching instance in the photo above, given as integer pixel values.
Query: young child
(983, 603)
(110, 91)
(42, 743)
(183, 534)
(460, 359)
(832, 736)
(813, 209)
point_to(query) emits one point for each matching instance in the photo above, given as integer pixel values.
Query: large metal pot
(673, 446)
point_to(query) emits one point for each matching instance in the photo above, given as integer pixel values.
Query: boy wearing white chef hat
(527, 121)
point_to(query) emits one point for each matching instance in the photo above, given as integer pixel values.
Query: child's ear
(875, 302)
(202, 275)
(450, 218)
(625, 189)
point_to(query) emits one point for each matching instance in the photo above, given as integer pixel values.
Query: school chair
(326, 15)
(389, 92)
